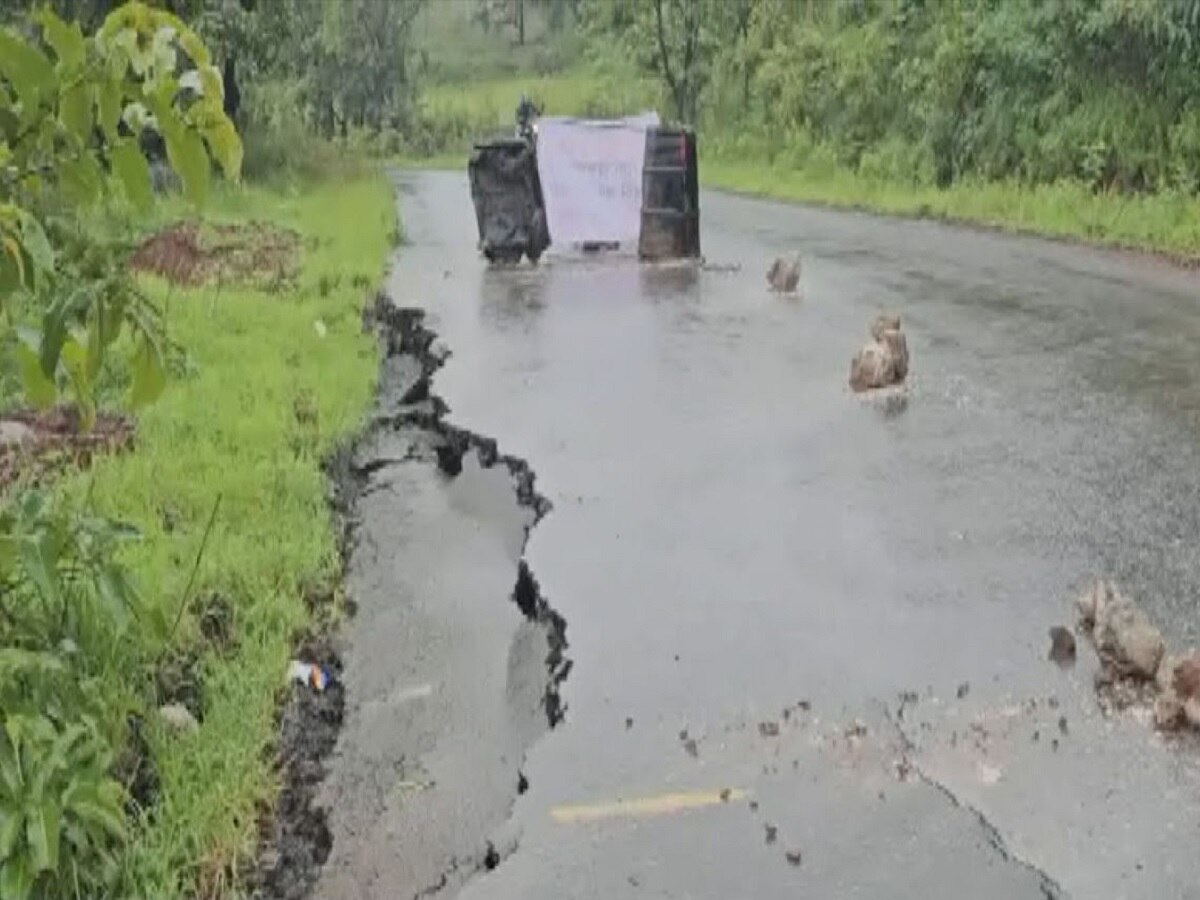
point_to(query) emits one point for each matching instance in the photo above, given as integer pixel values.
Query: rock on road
(808, 631)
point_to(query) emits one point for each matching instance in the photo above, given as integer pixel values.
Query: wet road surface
(809, 633)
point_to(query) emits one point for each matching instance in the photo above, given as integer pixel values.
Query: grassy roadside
(1166, 223)
(278, 378)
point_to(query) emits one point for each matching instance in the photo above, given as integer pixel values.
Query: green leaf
(75, 361)
(27, 69)
(149, 374)
(134, 172)
(193, 46)
(36, 244)
(97, 805)
(108, 107)
(65, 40)
(75, 110)
(115, 593)
(33, 561)
(54, 335)
(16, 879)
(95, 342)
(185, 152)
(226, 147)
(41, 830)
(11, 821)
(12, 265)
(40, 390)
(81, 179)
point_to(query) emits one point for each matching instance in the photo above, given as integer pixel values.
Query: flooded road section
(809, 632)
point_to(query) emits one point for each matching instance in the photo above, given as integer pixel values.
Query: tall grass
(279, 378)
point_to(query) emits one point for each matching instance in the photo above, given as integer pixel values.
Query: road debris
(784, 274)
(1136, 671)
(178, 719)
(307, 673)
(1062, 646)
(768, 729)
(883, 360)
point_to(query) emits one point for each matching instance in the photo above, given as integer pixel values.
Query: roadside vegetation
(1079, 120)
(189, 230)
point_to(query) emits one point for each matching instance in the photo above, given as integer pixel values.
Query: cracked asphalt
(809, 632)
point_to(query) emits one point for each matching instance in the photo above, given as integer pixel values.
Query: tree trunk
(521, 22)
(233, 94)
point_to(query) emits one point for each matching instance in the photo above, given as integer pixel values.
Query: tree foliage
(1107, 91)
(73, 114)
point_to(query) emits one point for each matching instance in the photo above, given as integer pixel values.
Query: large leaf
(134, 173)
(65, 40)
(225, 146)
(95, 342)
(54, 334)
(75, 361)
(115, 593)
(36, 244)
(81, 179)
(16, 879)
(27, 70)
(185, 152)
(108, 106)
(149, 373)
(40, 390)
(12, 265)
(38, 568)
(11, 822)
(75, 110)
(41, 831)
(97, 805)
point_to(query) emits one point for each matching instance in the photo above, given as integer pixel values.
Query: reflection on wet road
(756, 566)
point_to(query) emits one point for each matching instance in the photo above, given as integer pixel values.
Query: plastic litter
(307, 673)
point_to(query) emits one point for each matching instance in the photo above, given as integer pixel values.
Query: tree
(73, 113)
(675, 40)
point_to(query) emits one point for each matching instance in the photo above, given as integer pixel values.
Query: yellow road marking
(660, 805)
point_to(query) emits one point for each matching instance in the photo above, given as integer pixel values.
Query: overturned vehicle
(587, 184)
(509, 208)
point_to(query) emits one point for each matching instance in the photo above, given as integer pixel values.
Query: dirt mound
(191, 254)
(42, 444)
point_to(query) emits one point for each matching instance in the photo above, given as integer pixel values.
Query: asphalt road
(809, 631)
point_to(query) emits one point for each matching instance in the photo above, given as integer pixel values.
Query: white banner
(591, 174)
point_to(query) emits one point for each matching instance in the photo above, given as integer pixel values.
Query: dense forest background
(1105, 92)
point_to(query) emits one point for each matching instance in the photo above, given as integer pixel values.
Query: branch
(662, 51)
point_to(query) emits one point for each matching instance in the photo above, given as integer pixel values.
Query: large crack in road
(445, 688)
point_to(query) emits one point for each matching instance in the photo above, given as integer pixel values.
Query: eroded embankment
(408, 428)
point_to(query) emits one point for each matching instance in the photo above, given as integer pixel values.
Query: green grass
(1166, 223)
(231, 430)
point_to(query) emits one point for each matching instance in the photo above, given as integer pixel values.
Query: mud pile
(883, 360)
(1135, 667)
